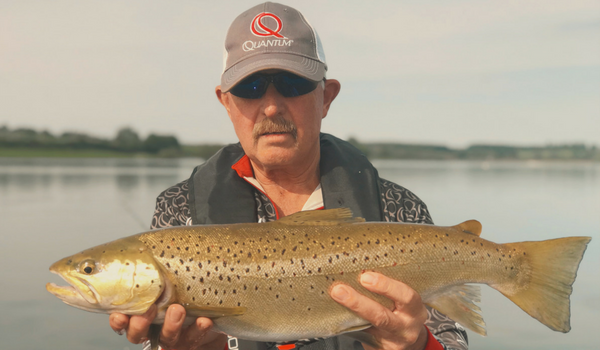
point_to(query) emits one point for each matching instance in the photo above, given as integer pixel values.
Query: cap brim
(305, 67)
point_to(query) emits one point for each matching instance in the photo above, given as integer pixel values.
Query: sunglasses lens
(288, 85)
(252, 87)
(291, 85)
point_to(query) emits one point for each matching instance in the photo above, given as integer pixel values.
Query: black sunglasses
(287, 84)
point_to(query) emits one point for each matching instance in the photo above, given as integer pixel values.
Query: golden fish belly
(282, 274)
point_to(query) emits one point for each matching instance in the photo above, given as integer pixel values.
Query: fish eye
(87, 266)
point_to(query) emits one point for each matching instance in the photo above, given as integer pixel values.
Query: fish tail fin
(552, 270)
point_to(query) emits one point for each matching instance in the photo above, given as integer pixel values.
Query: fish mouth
(79, 292)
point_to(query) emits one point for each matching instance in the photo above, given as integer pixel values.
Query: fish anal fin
(213, 311)
(470, 226)
(328, 217)
(358, 333)
(459, 303)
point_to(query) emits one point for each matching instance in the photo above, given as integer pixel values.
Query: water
(51, 208)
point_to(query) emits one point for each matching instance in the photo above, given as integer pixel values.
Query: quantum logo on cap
(260, 29)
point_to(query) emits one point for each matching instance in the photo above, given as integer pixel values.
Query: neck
(289, 187)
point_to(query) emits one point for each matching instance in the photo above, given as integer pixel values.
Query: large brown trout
(271, 281)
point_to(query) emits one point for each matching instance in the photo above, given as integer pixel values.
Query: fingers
(407, 301)
(363, 306)
(171, 329)
(199, 334)
(402, 327)
(118, 322)
(137, 330)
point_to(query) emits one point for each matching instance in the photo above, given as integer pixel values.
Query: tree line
(128, 142)
(576, 151)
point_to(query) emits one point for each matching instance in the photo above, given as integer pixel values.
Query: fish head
(120, 276)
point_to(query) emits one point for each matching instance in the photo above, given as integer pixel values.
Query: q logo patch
(260, 29)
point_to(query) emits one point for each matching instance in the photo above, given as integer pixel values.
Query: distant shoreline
(30, 143)
(376, 154)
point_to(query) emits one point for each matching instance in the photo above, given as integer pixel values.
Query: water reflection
(51, 208)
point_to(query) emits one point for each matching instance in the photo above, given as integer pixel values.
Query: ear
(330, 92)
(223, 97)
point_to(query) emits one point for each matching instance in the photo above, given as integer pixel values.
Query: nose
(273, 102)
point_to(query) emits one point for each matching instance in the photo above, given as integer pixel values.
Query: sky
(444, 72)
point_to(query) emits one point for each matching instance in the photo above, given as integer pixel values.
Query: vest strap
(219, 196)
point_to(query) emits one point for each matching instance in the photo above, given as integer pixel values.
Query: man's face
(277, 131)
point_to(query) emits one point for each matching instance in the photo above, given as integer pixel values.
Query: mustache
(275, 125)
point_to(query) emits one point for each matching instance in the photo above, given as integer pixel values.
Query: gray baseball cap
(271, 36)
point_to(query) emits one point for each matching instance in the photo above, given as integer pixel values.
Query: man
(275, 93)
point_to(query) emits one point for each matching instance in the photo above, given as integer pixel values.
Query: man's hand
(400, 328)
(173, 334)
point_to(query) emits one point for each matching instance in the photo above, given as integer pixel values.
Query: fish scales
(271, 281)
(288, 271)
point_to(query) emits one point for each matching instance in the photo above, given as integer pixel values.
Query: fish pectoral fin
(470, 226)
(213, 311)
(459, 303)
(359, 334)
(328, 217)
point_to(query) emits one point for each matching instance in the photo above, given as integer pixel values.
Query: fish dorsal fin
(328, 217)
(213, 311)
(459, 303)
(470, 226)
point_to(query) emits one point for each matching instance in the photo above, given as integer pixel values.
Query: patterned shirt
(399, 205)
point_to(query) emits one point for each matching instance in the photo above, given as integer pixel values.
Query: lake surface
(51, 208)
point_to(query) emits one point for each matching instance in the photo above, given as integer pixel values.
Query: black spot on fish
(187, 268)
(189, 287)
(181, 261)
(168, 265)
(162, 254)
